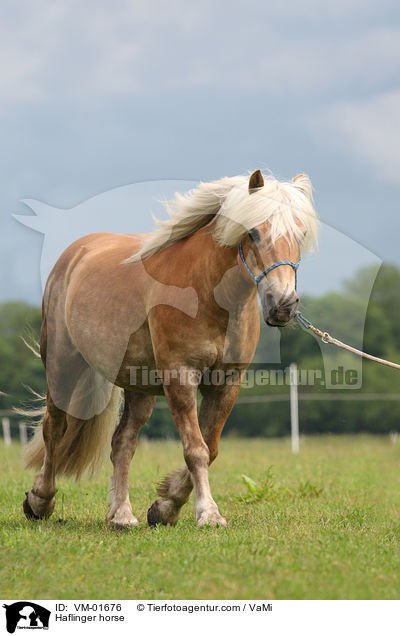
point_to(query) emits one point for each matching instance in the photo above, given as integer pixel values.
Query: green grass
(323, 524)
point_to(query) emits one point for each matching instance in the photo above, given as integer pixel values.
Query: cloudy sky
(95, 95)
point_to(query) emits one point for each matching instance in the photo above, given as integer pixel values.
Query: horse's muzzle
(277, 313)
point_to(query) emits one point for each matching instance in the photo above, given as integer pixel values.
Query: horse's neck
(218, 269)
(199, 262)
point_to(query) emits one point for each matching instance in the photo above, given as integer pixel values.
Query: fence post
(294, 408)
(6, 431)
(23, 433)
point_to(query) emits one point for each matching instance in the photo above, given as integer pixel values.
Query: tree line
(376, 330)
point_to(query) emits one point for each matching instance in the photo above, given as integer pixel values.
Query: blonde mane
(288, 206)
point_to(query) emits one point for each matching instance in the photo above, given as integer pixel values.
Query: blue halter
(269, 269)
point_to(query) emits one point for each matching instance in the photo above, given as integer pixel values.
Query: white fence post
(23, 433)
(6, 431)
(294, 408)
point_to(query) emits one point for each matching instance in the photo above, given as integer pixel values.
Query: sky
(99, 95)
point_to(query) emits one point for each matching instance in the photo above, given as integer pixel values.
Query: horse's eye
(254, 234)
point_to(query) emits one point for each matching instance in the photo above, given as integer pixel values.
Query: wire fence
(14, 428)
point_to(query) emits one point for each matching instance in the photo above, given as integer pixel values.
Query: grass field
(323, 524)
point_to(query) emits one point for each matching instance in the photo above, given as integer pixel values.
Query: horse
(135, 316)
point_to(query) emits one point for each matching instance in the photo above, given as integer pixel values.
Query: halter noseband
(294, 266)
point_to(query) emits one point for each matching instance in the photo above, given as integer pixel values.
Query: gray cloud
(95, 95)
(83, 51)
(369, 130)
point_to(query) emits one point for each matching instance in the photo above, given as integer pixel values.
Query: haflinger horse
(147, 315)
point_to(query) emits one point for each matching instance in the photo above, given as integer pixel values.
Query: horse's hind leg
(137, 410)
(174, 492)
(40, 500)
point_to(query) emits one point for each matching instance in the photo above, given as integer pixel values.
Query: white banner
(311, 618)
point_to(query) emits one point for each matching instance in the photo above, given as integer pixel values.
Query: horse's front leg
(182, 401)
(137, 410)
(175, 489)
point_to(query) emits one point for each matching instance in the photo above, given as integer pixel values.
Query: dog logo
(26, 615)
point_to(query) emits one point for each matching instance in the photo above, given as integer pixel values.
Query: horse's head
(271, 251)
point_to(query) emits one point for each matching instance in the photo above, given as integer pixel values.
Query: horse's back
(96, 244)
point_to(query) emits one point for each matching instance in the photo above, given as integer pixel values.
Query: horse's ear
(303, 182)
(256, 181)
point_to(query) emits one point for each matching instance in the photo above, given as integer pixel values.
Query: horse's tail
(83, 444)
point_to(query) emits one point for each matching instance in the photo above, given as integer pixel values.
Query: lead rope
(328, 339)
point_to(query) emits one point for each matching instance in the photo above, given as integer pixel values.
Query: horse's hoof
(213, 519)
(44, 506)
(122, 524)
(29, 514)
(163, 511)
(153, 515)
(121, 517)
(121, 527)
